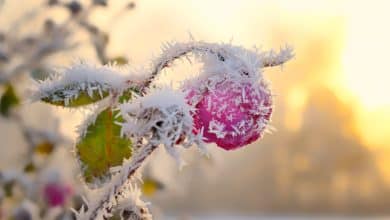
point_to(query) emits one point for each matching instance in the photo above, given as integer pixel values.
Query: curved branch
(179, 50)
(107, 201)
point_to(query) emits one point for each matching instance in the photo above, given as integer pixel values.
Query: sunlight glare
(365, 60)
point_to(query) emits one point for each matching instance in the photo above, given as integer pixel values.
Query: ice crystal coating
(161, 117)
(232, 100)
(236, 62)
(229, 104)
(231, 114)
(120, 193)
(78, 85)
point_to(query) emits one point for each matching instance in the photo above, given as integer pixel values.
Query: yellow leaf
(151, 186)
(44, 147)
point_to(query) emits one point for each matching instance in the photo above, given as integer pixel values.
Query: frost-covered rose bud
(231, 113)
(56, 194)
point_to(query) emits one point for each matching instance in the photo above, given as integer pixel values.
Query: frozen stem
(163, 117)
(107, 202)
(179, 50)
(172, 52)
(271, 58)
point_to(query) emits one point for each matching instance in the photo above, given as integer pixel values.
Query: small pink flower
(56, 194)
(231, 114)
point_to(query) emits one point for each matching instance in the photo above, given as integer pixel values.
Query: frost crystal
(232, 114)
(229, 104)
(161, 117)
(80, 79)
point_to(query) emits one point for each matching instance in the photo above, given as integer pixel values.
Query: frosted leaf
(102, 147)
(229, 104)
(79, 85)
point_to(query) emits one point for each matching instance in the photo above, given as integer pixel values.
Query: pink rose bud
(56, 194)
(231, 114)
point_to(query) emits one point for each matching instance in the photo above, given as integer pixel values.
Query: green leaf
(102, 147)
(8, 100)
(30, 167)
(7, 187)
(120, 60)
(67, 96)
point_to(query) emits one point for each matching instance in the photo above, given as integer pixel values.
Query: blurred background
(331, 151)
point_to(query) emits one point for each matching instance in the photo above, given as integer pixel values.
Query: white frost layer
(161, 117)
(163, 98)
(223, 59)
(120, 194)
(81, 76)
